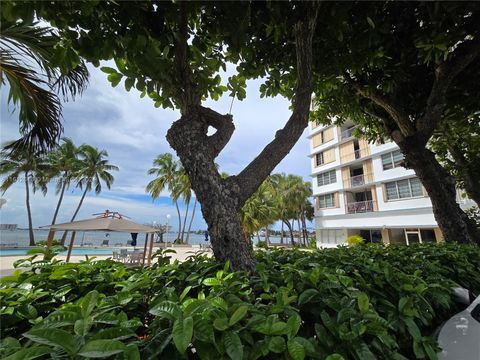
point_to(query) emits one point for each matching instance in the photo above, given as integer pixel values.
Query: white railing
(358, 180)
(360, 207)
(348, 133)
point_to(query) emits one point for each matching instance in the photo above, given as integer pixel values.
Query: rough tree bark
(221, 199)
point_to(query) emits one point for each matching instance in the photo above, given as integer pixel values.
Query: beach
(182, 253)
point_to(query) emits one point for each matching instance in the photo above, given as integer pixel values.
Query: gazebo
(106, 222)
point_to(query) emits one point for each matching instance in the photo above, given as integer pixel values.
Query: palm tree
(183, 190)
(23, 163)
(31, 65)
(93, 169)
(166, 169)
(63, 163)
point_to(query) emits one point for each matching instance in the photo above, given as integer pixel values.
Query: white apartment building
(361, 188)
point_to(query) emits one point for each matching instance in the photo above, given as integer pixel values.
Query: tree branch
(445, 73)
(224, 126)
(256, 172)
(188, 94)
(398, 116)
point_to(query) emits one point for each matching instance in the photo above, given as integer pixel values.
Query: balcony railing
(361, 207)
(348, 133)
(358, 180)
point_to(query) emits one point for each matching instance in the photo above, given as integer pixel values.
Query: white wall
(420, 218)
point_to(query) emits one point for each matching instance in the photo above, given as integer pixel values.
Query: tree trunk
(191, 219)
(218, 201)
(64, 236)
(300, 233)
(440, 187)
(29, 212)
(185, 220)
(290, 229)
(267, 235)
(258, 236)
(304, 228)
(60, 199)
(179, 221)
(281, 235)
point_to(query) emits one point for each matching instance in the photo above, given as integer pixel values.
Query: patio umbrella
(108, 222)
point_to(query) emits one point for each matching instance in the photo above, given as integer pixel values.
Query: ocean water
(19, 238)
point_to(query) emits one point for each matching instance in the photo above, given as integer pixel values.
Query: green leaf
(167, 309)
(131, 352)
(108, 70)
(182, 333)
(277, 344)
(82, 326)
(370, 22)
(293, 325)
(335, 356)
(88, 303)
(211, 282)
(53, 337)
(30, 353)
(114, 334)
(295, 349)
(238, 315)
(307, 296)
(220, 324)
(101, 348)
(363, 302)
(184, 293)
(413, 329)
(233, 345)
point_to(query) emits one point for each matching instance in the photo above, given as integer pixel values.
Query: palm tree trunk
(185, 220)
(179, 220)
(191, 219)
(258, 236)
(290, 229)
(64, 236)
(304, 228)
(281, 235)
(29, 212)
(64, 185)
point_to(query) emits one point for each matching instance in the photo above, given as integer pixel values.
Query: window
(326, 201)
(323, 137)
(325, 157)
(392, 160)
(403, 189)
(326, 178)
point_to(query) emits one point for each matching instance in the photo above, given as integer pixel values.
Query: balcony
(361, 207)
(354, 155)
(346, 134)
(358, 180)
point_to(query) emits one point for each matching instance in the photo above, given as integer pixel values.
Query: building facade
(362, 189)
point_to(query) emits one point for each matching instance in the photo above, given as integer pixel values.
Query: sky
(133, 132)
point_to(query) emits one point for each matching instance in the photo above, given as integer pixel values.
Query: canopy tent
(109, 221)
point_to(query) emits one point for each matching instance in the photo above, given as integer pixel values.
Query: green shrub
(312, 243)
(262, 244)
(364, 302)
(354, 240)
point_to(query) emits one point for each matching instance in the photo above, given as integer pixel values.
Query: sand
(6, 262)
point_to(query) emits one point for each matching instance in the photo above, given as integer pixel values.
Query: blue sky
(133, 132)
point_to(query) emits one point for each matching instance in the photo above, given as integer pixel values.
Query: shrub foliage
(366, 302)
